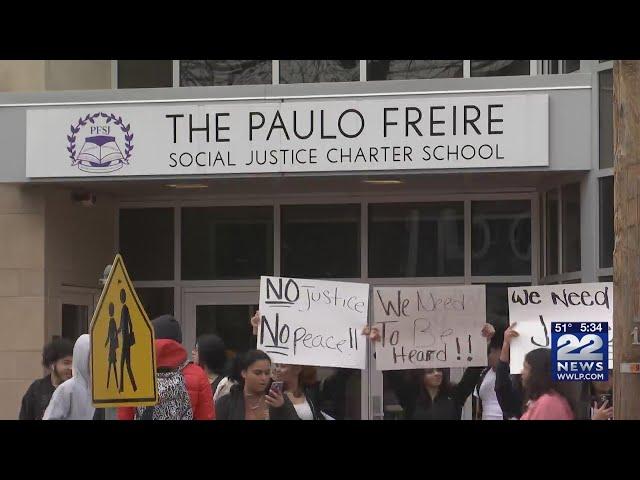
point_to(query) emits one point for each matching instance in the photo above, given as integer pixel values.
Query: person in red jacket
(170, 354)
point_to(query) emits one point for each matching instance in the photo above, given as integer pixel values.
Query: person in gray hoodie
(72, 399)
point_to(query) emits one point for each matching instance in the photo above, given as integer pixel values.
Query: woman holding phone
(310, 398)
(255, 396)
(295, 380)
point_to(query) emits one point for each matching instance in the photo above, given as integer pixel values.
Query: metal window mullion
(176, 73)
(275, 72)
(533, 67)
(363, 70)
(488, 279)
(560, 253)
(467, 242)
(114, 74)
(544, 272)
(597, 237)
(605, 172)
(177, 261)
(116, 233)
(535, 240)
(466, 68)
(364, 240)
(605, 272)
(276, 238)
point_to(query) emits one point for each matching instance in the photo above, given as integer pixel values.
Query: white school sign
(430, 327)
(330, 135)
(534, 308)
(313, 322)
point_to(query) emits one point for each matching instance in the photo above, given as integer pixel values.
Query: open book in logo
(105, 143)
(100, 153)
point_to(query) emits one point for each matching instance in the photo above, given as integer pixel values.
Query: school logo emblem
(100, 143)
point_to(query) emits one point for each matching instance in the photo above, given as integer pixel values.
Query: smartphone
(277, 386)
(604, 397)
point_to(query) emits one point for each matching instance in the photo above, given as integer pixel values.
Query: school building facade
(207, 174)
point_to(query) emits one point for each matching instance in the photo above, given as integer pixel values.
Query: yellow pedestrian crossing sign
(123, 360)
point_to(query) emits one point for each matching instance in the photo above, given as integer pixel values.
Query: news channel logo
(579, 351)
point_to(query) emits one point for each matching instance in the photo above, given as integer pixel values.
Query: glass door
(76, 309)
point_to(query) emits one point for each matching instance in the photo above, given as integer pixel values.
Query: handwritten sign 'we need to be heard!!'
(430, 327)
(534, 308)
(313, 322)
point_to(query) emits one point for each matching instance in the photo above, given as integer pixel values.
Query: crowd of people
(249, 387)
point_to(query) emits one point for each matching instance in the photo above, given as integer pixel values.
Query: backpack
(174, 402)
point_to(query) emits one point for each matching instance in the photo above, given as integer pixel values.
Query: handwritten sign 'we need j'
(313, 322)
(534, 308)
(430, 327)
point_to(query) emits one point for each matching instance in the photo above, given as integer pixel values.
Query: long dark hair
(211, 353)
(444, 388)
(540, 382)
(243, 361)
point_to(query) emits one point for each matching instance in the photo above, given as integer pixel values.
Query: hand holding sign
(372, 332)
(255, 322)
(536, 307)
(312, 322)
(510, 333)
(488, 331)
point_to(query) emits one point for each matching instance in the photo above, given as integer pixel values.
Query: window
(498, 304)
(146, 242)
(224, 72)
(408, 69)
(227, 243)
(552, 232)
(571, 228)
(501, 238)
(321, 241)
(145, 73)
(75, 321)
(230, 323)
(606, 222)
(497, 68)
(550, 67)
(569, 66)
(309, 71)
(416, 240)
(156, 301)
(605, 115)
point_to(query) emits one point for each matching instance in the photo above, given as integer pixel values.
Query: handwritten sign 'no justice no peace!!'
(313, 322)
(534, 308)
(430, 327)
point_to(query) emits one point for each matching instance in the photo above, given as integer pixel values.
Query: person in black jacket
(57, 356)
(252, 398)
(427, 394)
